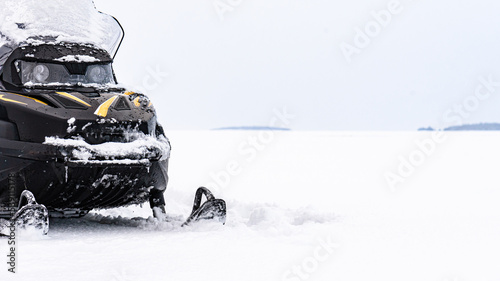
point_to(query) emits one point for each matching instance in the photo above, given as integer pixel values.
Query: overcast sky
(335, 65)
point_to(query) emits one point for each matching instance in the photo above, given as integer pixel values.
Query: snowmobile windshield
(35, 74)
(28, 22)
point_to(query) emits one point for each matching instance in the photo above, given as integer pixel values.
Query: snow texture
(77, 58)
(101, 87)
(118, 153)
(310, 201)
(33, 21)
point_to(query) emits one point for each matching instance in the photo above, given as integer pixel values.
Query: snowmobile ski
(29, 216)
(211, 209)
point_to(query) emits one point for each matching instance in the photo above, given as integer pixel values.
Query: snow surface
(140, 147)
(77, 58)
(67, 20)
(103, 87)
(313, 202)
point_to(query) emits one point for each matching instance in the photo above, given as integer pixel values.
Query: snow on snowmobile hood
(35, 22)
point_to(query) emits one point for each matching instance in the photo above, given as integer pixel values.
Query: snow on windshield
(33, 21)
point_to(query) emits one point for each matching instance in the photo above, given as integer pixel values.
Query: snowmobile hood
(95, 117)
(26, 22)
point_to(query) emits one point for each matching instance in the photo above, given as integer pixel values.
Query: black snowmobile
(73, 138)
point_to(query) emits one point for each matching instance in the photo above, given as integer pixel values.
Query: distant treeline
(254, 128)
(469, 127)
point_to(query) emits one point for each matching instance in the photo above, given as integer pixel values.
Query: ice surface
(76, 21)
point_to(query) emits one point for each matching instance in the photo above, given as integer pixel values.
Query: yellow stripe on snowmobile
(136, 102)
(103, 109)
(129, 93)
(2, 97)
(69, 96)
(38, 101)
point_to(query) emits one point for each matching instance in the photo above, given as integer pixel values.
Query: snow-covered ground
(302, 206)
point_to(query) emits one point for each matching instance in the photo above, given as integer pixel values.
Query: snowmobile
(71, 138)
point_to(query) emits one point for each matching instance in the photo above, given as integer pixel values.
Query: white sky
(269, 54)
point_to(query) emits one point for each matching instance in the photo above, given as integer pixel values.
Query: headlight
(41, 73)
(97, 74)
